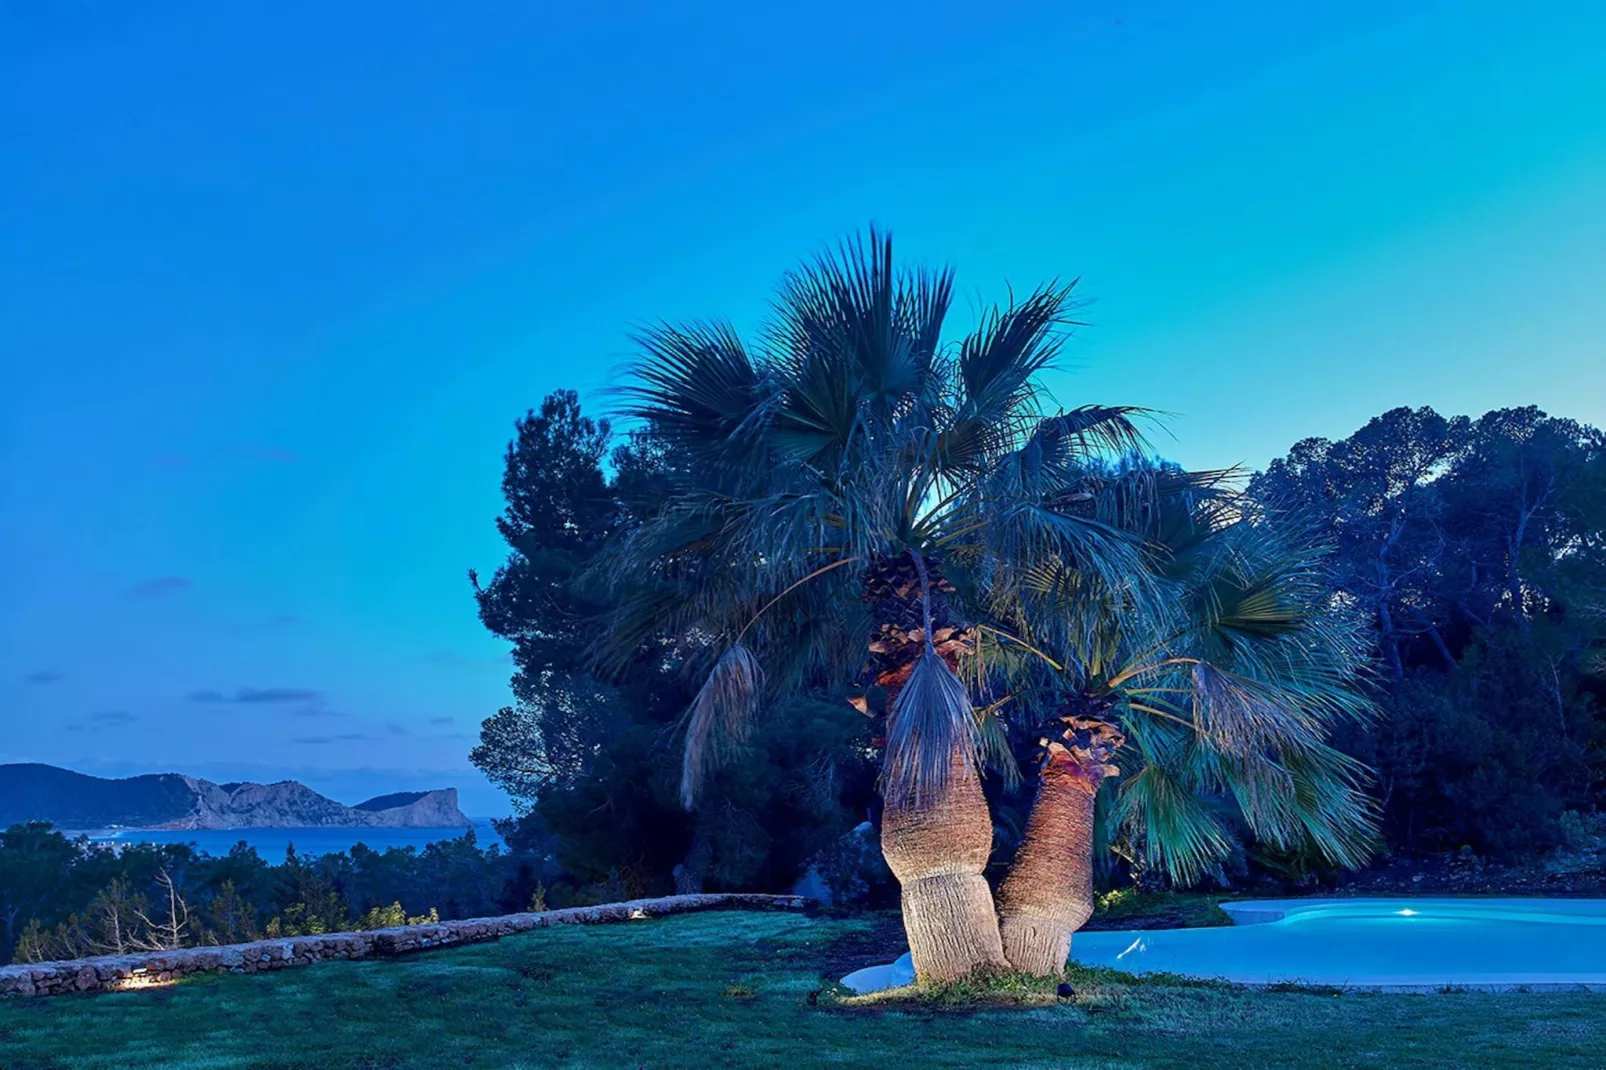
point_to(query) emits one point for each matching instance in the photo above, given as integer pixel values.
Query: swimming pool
(1400, 944)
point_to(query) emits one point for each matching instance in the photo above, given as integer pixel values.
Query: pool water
(1383, 943)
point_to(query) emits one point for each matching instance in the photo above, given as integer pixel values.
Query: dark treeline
(1477, 550)
(68, 898)
(1474, 548)
(595, 765)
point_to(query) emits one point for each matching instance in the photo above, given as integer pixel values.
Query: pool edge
(1267, 911)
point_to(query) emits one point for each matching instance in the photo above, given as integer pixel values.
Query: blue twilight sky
(276, 279)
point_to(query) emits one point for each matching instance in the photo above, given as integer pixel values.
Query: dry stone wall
(109, 973)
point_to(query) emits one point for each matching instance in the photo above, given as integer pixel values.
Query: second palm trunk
(1048, 894)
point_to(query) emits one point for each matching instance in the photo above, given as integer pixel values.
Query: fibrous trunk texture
(936, 847)
(1048, 894)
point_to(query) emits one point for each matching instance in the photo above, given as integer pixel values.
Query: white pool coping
(1262, 911)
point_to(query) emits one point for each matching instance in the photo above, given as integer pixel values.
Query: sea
(271, 843)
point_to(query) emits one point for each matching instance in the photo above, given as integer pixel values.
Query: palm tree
(1225, 696)
(838, 505)
(854, 494)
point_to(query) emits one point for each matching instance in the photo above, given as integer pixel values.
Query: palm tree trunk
(937, 848)
(1048, 894)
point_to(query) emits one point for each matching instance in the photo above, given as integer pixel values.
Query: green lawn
(740, 989)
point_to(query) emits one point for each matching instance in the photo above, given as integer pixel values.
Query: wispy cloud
(44, 676)
(354, 735)
(103, 720)
(112, 718)
(311, 740)
(253, 695)
(396, 730)
(160, 587)
(284, 620)
(442, 720)
(276, 694)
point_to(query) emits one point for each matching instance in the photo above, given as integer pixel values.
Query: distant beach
(271, 843)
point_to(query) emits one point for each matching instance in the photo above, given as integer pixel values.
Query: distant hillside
(394, 799)
(69, 800)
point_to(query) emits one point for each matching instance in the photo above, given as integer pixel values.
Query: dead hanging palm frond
(1239, 714)
(932, 722)
(720, 717)
(933, 728)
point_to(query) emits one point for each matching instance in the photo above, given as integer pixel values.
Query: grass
(740, 990)
(1128, 909)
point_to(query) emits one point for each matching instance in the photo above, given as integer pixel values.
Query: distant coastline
(271, 843)
(67, 799)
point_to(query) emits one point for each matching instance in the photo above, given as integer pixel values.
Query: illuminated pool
(1383, 943)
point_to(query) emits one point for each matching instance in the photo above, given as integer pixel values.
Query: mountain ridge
(33, 791)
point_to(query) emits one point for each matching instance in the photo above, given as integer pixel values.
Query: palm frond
(1239, 713)
(850, 320)
(1228, 674)
(993, 747)
(997, 379)
(720, 717)
(1181, 832)
(1089, 432)
(698, 388)
(1338, 817)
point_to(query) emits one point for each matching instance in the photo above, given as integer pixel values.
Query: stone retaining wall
(110, 973)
